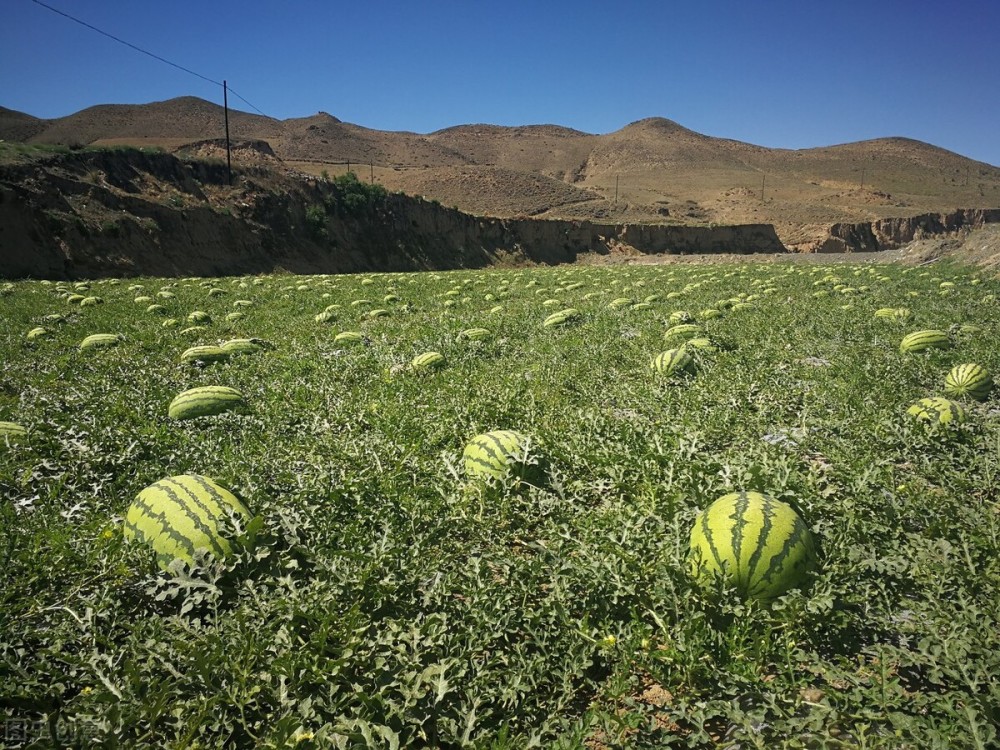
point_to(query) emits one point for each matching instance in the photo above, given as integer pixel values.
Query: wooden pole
(229, 158)
(762, 178)
(616, 190)
(371, 166)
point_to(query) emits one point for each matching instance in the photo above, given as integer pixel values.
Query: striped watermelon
(193, 331)
(244, 346)
(756, 544)
(348, 337)
(428, 361)
(499, 454)
(921, 340)
(12, 433)
(327, 316)
(206, 401)
(702, 343)
(561, 317)
(939, 410)
(619, 302)
(892, 312)
(100, 340)
(199, 316)
(671, 362)
(204, 354)
(91, 301)
(969, 380)
(474, 334)
(36, 333)
(180, 515)
(683, 331)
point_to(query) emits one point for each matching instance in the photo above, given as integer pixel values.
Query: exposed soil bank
(126, 212)
(888, 234)
(87, 214)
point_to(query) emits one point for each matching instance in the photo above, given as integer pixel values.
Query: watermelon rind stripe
(777, 563)
(200, 395)
(197, 500)
(485, 465)
(740, 522)
(768, 510)
(707, 533)
(197, 521)
(148, 513)
(488, 444)
(198, 524)
(231, 502)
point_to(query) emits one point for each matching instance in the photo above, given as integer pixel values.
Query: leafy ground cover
(382, 599)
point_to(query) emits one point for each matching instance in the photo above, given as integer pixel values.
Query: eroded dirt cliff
(121, 212)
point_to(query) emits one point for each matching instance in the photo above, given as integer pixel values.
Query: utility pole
(229, 157)
(616, 190)
(762, 178)
(371, 166)
(862, 178)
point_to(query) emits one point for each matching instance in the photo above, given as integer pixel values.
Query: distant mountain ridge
(650, 170)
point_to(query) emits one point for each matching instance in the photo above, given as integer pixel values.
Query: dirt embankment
(129, 212)
(889, 234)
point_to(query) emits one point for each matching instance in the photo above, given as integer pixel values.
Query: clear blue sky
(784, 73)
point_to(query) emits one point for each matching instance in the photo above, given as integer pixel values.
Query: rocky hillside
(651, 171)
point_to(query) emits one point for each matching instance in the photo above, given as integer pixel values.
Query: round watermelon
(938, 410)
(921, 340)
(205, 401)
(428, 361)
(101, 340)
(204, 354)
(499, 454)
(348, 337)
(181, 515)
(969, 380)
(756, 544)
(671, 362)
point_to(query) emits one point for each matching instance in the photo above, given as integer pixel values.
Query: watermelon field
(379, 574)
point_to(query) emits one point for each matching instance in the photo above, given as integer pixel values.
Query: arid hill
(651, 171)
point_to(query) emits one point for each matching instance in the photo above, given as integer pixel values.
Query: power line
(143, 51)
